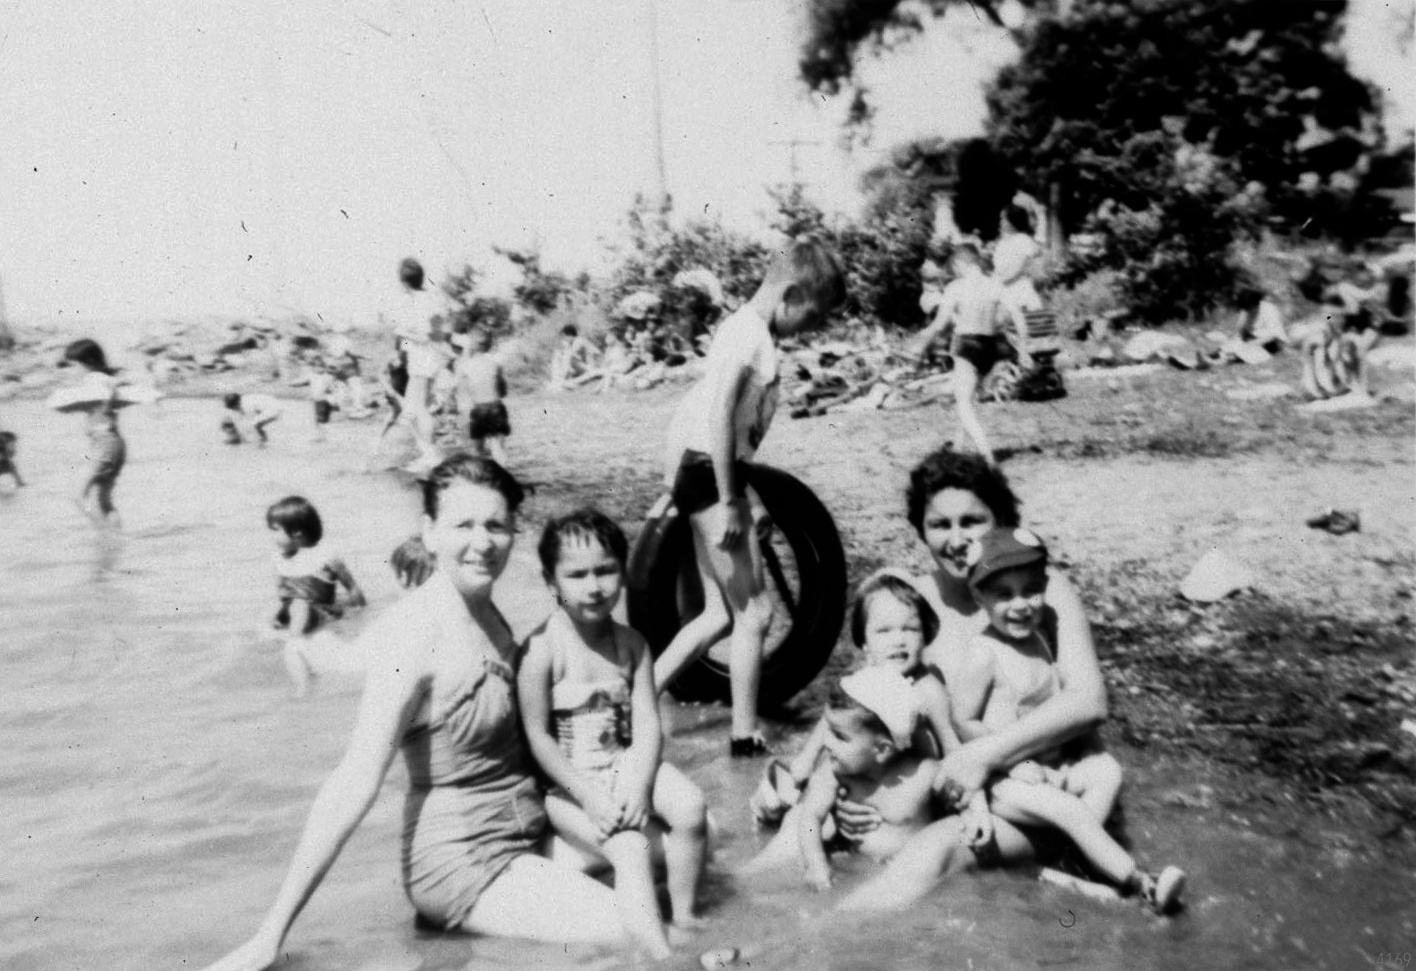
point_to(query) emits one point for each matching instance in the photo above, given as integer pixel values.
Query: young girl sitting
(588, 702)
(891, 622)
(1009, 670)
(308, 583)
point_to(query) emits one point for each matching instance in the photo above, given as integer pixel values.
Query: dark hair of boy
(585, 523)
(903, 591)
(810, 265)
(838, 700)
(232, 400)
(410, 272)
(295, 514)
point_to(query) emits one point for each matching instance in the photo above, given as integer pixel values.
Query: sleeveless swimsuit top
(592, 718)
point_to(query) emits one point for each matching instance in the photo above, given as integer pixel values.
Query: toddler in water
(309, 578)
(1008, 671)
(586, 688)
(870, 722)
(891, 622)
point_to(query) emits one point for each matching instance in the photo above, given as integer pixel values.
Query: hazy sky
(160, 157)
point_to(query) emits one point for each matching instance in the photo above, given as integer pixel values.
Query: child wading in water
(587, 697)
(308, 583)
(891, 622)
(97, 398)
(1009, 670)
(713, 435)
(871, 720)
(973, 303)
(253, 410)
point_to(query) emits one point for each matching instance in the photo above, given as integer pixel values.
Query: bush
(472, 310)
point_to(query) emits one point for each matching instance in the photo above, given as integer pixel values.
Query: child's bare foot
(683, 931)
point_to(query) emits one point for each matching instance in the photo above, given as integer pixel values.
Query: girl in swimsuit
(588, 702)
(106, 446)
(440, 686)
(308, 582)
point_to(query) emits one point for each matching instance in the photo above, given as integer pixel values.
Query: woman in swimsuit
(441, 686)
(953, 500)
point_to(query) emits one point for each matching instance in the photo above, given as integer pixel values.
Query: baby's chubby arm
(803, 764)
(933, 700)
(346, 579)
(969, 687)
(812, 811)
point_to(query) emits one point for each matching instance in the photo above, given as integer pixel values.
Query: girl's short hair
(903, 591)
(410, 272)
(585, 523)
(232, 400)
(476, 469)
(945, 468)
(87, 352)
(296, 514)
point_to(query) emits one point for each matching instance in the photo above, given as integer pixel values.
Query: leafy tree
(472, 310)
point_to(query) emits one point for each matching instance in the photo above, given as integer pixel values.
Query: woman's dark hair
(476, 469)
(232, 400)
(903, 591)
(1019, 218)
(945, 468)
(87, 352)
(295, 514)
(585, 523)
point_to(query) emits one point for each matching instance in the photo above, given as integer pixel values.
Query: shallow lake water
(155, 771)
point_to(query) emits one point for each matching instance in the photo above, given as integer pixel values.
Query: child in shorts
(891, 622)
(107, 449)
(586, 688)
(1008, 671)
(321, 389)
(871, 720)
(308, 582)
(9, 446)
(254, 410)
(481, 386)
(973, 304)
(713, 435)
(395, 382)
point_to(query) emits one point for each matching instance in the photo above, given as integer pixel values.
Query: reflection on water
(156, 774)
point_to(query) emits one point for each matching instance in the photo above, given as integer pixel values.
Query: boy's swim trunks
(695, 488)
(488, 419)
(983, 352)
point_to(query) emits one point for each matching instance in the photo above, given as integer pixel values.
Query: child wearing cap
(1009, 670)
(891, 622)
(871, 720)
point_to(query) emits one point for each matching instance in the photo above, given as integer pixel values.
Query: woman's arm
(533, 693)
(642, 763)
(934, 709)
(393, 688)
(1077, 708)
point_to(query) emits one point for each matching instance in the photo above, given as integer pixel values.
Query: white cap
(889, 696)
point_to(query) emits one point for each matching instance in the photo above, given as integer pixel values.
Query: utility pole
(792, 144)
(657, 89)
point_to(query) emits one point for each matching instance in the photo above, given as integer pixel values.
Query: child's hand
(978, 824)
(604, 814)
(356, 599)
(734, 522)
(634, 810)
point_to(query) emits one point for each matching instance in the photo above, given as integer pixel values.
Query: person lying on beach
(309, 578)
(871, 720)
(891, 622)
(1009, 671)
(586, 689)
(440, 686)
(253, 411)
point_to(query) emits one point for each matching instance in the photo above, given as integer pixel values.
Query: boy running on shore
(587, 697)
(1008, 671)
(974, 305)
(713, 434)
(253, 411)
